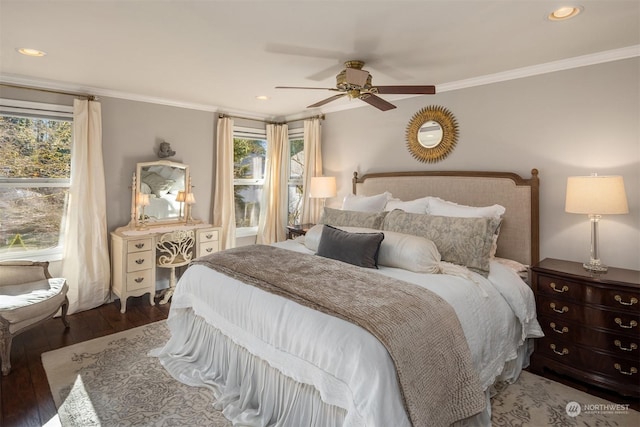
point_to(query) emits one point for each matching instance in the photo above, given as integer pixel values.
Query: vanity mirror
(163, 183)
(432, 134)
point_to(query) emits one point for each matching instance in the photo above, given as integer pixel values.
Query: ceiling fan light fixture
(564, 13)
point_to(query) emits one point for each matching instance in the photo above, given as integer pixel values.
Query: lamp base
(597, 267)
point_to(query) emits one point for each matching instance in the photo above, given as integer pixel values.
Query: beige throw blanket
(419, 329)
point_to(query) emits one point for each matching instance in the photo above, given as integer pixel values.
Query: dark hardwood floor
(25, 397)
(24, 393)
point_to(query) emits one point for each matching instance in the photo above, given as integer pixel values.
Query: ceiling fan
(355, 82)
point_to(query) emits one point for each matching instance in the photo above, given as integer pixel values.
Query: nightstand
(294, 231)
(591, 324)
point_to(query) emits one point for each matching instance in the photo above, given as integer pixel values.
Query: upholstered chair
(28, 297)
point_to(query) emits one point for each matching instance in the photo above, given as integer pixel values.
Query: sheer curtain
(273, 210)
(85, 264)
(311, 208)
(224, 210)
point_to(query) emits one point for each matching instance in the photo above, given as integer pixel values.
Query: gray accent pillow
(343, 218)
(462, 241)
(359, 249)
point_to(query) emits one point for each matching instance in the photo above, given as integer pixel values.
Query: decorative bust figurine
(165, 150)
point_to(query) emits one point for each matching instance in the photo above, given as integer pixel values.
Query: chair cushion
(33, 300)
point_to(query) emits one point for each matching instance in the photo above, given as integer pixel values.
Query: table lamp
(322, 187)
(180, 197)
(189, 199)
(142, 200)
(596, 196)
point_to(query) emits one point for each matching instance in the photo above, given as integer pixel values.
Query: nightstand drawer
(617, 321)
(138, 245)
(139, 280)
(139, 261)
(567, 289)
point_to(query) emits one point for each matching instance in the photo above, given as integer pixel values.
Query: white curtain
(85, 264)
(311, 208)
(273, 210)
(224, 211)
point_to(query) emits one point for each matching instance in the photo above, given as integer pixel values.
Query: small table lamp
(142, 201)
(180, 197)
(596, 196)
(322, 187)
(189, 199)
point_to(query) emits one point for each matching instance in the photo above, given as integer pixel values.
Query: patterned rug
(110, 381)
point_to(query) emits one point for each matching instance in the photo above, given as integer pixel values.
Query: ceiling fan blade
(417, 90)
(377, 102)
(326, 101)
(303, 87)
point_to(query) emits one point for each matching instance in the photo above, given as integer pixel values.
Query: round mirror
(431, 134)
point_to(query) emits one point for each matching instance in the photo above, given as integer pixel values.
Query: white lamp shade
(189, 199)
(180, 197)
(322, 187)
(142, 199)
(596, 195)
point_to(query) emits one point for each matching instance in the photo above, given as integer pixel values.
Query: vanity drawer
(139, 245)
(139, 280)
(207, 248)
(208, 235)
(139, 261)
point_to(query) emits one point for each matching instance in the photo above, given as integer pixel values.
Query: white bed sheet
(347, 365)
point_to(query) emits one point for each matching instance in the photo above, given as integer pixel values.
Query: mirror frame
(136, 209)
(449, 125)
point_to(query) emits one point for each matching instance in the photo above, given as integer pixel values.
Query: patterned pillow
(463, 241)
(359, 249)
(338, 217)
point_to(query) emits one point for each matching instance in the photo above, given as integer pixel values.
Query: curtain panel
(311, 208)
(85, 263)
(224, 215)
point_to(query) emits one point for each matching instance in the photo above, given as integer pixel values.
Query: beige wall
(566, 123)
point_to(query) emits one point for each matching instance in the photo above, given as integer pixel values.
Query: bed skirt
(249, 391)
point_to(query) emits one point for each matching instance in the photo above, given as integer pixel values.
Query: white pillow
(375, 203)
(441, 207)
(418, 206)
(398, 250)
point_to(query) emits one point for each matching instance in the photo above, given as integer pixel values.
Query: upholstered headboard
(519, 233)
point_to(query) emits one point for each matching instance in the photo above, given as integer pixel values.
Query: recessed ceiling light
(31, 52)
(262, 97)
(564, 13)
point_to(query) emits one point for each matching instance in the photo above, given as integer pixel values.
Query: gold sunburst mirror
(432, 134)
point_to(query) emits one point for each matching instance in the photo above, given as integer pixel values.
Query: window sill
(246, 231)
(51, 254)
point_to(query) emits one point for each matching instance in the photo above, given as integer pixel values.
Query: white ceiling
(219, 55)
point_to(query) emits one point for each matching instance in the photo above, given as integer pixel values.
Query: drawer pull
(139, 280)
(565, 288)
(564, 308)
(632, 301)
(564, 329)
(209, 249)
(564, 351)
(632, 346)
(139, 245)
(208, 236)
(631, 371)
(631, 324)
(139, 261)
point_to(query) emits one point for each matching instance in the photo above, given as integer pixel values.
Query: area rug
(111, 381)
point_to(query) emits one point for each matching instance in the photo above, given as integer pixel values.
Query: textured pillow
(441, 207)
(462, 241)
(338, 217)
(409, 252)
(413, 206)
(365, 203)
(359, 249)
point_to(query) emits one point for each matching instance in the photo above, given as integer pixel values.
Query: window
(35, 171)
(249, 155)
(296, 174)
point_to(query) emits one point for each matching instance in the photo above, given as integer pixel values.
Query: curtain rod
(81, 95)
(222, 115)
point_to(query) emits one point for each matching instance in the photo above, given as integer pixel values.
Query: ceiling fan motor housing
(353, 78)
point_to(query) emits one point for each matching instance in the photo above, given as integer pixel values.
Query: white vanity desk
(134, 254)
(163, 236)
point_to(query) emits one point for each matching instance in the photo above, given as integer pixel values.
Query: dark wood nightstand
(591, 324)
(294, 231)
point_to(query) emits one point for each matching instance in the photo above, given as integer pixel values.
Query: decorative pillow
(418, 206)
(359, 249)
(462, 241)
(346, 218)
(441, 207)
(375, 203)
(159, 185)
(409, 252)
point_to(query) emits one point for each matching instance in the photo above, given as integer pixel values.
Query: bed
(243, 325)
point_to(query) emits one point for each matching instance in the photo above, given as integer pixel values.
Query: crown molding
(518, 73)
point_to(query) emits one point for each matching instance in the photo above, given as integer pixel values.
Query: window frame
(38, 110)
(248, 133)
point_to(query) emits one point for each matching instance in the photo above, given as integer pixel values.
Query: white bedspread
(346, 364)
